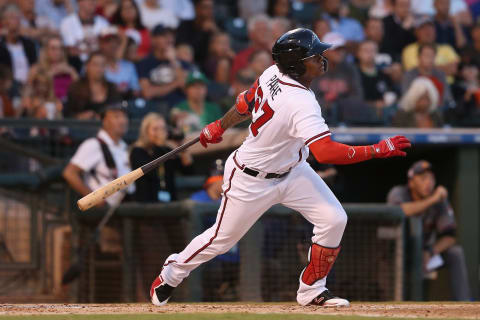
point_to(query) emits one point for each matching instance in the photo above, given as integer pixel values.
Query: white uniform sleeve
(307, 122)
(88, 155)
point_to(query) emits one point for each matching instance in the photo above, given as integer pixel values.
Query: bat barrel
(99, 195)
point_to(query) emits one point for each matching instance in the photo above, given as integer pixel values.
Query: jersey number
(265, 117)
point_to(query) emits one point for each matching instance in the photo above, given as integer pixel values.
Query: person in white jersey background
(270, 168)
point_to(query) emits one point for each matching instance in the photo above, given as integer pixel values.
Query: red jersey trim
(292, 85)
(219, 221)
(317, 137)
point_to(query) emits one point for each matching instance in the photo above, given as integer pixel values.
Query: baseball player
(270, 168)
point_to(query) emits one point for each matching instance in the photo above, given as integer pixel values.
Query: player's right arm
(240, 112)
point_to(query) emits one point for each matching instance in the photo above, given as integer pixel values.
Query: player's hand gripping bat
(97, 196)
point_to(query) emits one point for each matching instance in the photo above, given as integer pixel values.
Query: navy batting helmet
(295, 46)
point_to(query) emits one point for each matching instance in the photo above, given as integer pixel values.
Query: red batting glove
(391, 147)
(212, 133)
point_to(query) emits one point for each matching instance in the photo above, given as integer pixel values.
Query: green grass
(197, 316)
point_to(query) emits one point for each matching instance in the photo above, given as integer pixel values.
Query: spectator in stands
(197, 32)
(377, 87)
(106, 8)
(278, 8)
(458, 9)
(39, 100)
(471, 54)
(449, 29)
(92, 92)
(7, 100)
(243, 80)
(446, 58)
(421, 198)
(80, 30)
(103, 158)
(349, 28)
(418, 106)
(16, 51)
(398, 27)
(153, 142)
(342, 80)
(258, 62)
(426, 68)
(195, 112)
(183, 9)
(52, 61)
(466, 91)
(374, 31)
(220, 56)
(184, 54)
(279, 26)
(260, 36)
(161, 75)
(127, 19)
(359, 9)
(249, 8)
(153, 13)
(321, 27)
(157, 186)
(33, 26)
(54, 10)
(118, 71)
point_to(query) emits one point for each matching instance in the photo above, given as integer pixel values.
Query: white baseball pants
(245, 199)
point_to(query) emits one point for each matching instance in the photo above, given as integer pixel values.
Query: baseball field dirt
(244, 311)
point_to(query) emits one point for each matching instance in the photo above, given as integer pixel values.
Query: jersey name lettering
(273, 86)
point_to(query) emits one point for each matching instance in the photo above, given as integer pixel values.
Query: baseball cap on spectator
(215, 174)
(419, 167)
(422, 20)
(335, 39)
(194, 77)
(109, 33)
(120, 106)
(160, 30)
(134, 35)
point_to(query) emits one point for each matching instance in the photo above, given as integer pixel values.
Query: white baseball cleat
(160, 292)
(327, 299)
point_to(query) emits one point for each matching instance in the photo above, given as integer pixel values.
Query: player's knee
(339, 219)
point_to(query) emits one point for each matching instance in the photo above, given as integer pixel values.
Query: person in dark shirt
(92, 92)
(421, 198)
(398, 28)
(471, 53)
(17, 52)
(161, 74)
(448, 28)
(156, 236)
(158, 185)
(375, 84)
(197, 32)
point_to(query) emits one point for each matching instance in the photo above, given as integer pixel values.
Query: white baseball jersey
(286, 118)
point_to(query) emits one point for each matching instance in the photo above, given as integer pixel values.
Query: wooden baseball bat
(96, 196)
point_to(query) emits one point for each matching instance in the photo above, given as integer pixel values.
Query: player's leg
(244, 200)
(308, 194)
(457, 268)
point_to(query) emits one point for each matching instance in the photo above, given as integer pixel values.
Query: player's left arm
(240, 112)
(328, 151)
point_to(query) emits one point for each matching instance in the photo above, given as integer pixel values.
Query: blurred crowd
(405, 63)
